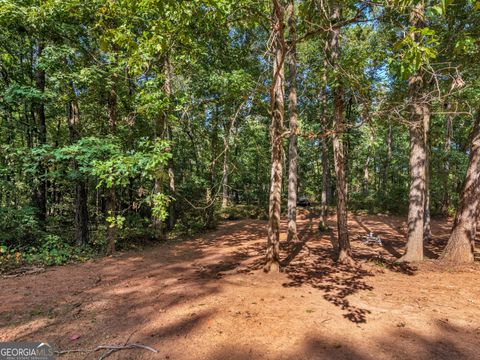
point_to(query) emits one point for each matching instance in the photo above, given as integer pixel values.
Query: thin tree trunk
(418, 156)
(81, 208)
(172, 212)
(111, 198)
(388, 160)
(446, 163)
(162, 131)
(276, 129)
(427, 231)
(41, 191)
(366, 172)
(325, 159)
(344, 250)
(225, 169)
(172, 215)
(293, 124)
(461, 245)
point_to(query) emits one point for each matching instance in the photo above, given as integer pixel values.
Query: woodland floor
(206, 298)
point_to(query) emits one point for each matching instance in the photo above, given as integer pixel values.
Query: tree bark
(172, 215)
(446, 163)
(325, 159)
(461, 244)
(427, 231)
(41, 191)
(277, 112)
(111, 198)
(81, 207)
(172, 209)
(418, 155)
(344, 250)
(293, 125)
(388, 160)
(225, 169)
(163, 131)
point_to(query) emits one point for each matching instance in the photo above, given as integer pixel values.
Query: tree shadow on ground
(122, 292)
(447, 342)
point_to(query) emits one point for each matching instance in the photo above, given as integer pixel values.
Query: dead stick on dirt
(111, 349)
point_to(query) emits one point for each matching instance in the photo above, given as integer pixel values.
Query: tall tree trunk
(446, 163)
(225, 172)
(461, 245)
(172, 212)
(41, 191)
(293, 125)
(163, 131)
(344, 250)
(418, 155)
(324, 149)
(427, 231)
(111, 198)
(172, 215)
(277, 112)
(81, 209)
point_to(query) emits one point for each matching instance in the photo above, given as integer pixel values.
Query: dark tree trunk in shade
(40, 195)
(293, 126)
(446, 163)
(324, 199)
(344, 250)
(81, 207)
(111, 196)
(461, 244)
(277, 106)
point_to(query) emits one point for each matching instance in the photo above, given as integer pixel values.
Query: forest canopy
(128, 121)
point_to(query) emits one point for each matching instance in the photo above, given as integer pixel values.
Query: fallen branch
(111, 349)
(24, 271)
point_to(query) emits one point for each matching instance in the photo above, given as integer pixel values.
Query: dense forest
(129, 121)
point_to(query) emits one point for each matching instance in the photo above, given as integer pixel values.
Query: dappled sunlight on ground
(207, 298)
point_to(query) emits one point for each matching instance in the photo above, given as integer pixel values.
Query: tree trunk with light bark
(293, 126)
(277, 106)
(418, 155)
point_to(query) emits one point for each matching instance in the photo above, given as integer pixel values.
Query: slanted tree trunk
(277, 109)
(41, 191)
(461, 244)
(81, 208)
(111, 198)
(446, 162)
(344, 250)
(418, 156)
(293, 125)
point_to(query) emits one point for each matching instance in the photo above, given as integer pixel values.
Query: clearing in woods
(207, 298)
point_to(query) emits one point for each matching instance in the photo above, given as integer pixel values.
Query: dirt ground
(207, 298)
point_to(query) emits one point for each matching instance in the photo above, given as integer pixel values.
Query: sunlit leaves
(415, 50)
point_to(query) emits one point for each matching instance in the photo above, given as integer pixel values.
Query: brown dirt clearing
(206, 298)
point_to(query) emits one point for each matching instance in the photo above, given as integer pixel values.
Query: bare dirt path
(205, 298)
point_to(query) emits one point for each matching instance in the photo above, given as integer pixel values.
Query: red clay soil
(206, 298)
